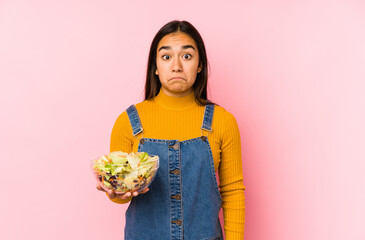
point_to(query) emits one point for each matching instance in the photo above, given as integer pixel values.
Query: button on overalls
(183, 201)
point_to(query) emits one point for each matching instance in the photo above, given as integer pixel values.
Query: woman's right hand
(112, 194)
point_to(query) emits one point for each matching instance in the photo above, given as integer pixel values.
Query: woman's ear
(200, 67)
(156, 72)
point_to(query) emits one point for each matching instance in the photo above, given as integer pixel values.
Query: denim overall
(183, 201)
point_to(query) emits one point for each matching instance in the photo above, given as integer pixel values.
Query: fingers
(129, 194)
(135, 194)
(144, 190)
(125, 195)
(111, 194)
(122, 196)
(99, 187)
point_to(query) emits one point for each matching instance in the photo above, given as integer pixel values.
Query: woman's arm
(231, 180)
(121, 140)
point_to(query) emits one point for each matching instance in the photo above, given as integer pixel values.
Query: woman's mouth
(176, 78)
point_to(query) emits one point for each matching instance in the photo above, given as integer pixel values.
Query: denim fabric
(183, 201)
(208, 117)
(134, 119)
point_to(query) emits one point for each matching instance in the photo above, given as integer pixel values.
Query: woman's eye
(187, 56)
(165, 57)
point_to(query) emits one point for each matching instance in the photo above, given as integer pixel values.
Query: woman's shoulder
(224, 121)
(122, 120)
(223, 114)
(139, 106)
(145, 103)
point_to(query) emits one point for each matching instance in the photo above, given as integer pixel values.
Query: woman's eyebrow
(183, 47)
(188, 46)
(164, 47)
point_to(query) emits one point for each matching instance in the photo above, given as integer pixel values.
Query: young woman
(192, 137)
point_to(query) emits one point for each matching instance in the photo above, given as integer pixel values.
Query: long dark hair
(153, 84)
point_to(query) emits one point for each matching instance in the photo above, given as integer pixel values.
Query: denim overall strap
(208, 118)
(134, 120)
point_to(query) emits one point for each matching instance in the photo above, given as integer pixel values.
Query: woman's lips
(176, 78)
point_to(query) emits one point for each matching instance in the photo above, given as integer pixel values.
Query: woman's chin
(178, 91)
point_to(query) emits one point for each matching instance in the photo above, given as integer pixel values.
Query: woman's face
(177, 64)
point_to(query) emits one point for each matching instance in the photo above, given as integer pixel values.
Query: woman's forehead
(176, 39)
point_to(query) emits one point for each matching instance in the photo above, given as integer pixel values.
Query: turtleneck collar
(175, 103)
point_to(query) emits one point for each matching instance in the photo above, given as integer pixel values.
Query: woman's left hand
(123, 196)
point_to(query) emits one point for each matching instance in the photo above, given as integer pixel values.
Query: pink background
(292, 72)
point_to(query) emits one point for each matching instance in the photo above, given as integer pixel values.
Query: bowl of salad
(125, 172)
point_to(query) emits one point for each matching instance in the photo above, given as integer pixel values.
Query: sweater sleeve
(121, 140)
(231, 180)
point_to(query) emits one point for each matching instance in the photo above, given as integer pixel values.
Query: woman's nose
(176, 65)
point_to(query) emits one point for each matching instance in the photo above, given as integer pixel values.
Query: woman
(193, 138)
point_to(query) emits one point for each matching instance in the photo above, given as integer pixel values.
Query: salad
(125, 172)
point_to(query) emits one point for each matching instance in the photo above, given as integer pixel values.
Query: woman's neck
(175, 103)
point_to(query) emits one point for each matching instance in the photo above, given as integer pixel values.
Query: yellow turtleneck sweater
(180, 118)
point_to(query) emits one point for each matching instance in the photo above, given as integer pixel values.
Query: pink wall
(292, 72)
